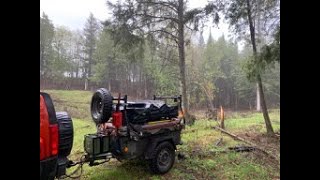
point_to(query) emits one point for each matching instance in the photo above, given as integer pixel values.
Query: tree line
(157, 47)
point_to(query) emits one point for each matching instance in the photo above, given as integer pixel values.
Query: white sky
(73, 13)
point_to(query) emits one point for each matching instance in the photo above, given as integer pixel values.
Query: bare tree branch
(162, 3)
(175, 38)
(157, 17)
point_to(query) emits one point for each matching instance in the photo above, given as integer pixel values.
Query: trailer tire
(163, 158)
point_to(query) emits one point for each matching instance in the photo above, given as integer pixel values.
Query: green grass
(225, 166)
(81, 128)
(253, 121)
(199, 145)
(76, 103)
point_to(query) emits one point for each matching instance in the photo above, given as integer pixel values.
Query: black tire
(163, 158)
(101, 106)
(65, 133)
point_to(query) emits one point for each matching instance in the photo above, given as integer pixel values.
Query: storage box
(95, 144)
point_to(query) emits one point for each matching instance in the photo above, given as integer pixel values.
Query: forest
(216, 71)
(230, 85)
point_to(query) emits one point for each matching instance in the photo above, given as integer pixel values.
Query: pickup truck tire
(101, 106)
(65, 133)
(163, 158)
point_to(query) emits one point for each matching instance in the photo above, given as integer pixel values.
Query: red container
(117, 119)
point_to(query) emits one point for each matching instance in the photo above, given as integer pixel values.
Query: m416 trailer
(149, 129)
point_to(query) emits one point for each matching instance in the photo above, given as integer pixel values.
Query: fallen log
(250, 143)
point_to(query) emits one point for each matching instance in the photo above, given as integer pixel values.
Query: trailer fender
(154, 143)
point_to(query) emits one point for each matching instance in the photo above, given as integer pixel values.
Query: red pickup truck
(56, 139)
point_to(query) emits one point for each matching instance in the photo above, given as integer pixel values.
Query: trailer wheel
(163, 158)
(101, 106)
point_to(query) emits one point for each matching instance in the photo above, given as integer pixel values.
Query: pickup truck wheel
(101, 106)
(65, 133)
(163, 158)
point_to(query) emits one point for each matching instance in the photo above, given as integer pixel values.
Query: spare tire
(65, 133)
(101, 106)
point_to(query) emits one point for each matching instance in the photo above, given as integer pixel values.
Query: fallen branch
(234, 136)
(242, 148)
(218, 142)
(250, 143)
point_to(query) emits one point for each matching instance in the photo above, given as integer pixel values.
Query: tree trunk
(264, 108)
(258, 98)
(109, 85)
(90, 66)
(127, 79)
(86, 84)
(145, 87)
(263, 103)
(197, 99)
(258, 48)
(182, 61)
(222, 118)
(42, 62)
(236, 103)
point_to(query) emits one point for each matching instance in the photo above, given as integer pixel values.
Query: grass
(76, 103)
(199, 147)
(81, 128)
(253, 121)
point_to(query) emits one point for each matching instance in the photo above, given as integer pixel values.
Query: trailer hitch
(85, 159)
(91, 159)
(69, 164)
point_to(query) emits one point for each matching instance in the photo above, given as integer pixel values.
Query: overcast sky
(73, 13)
